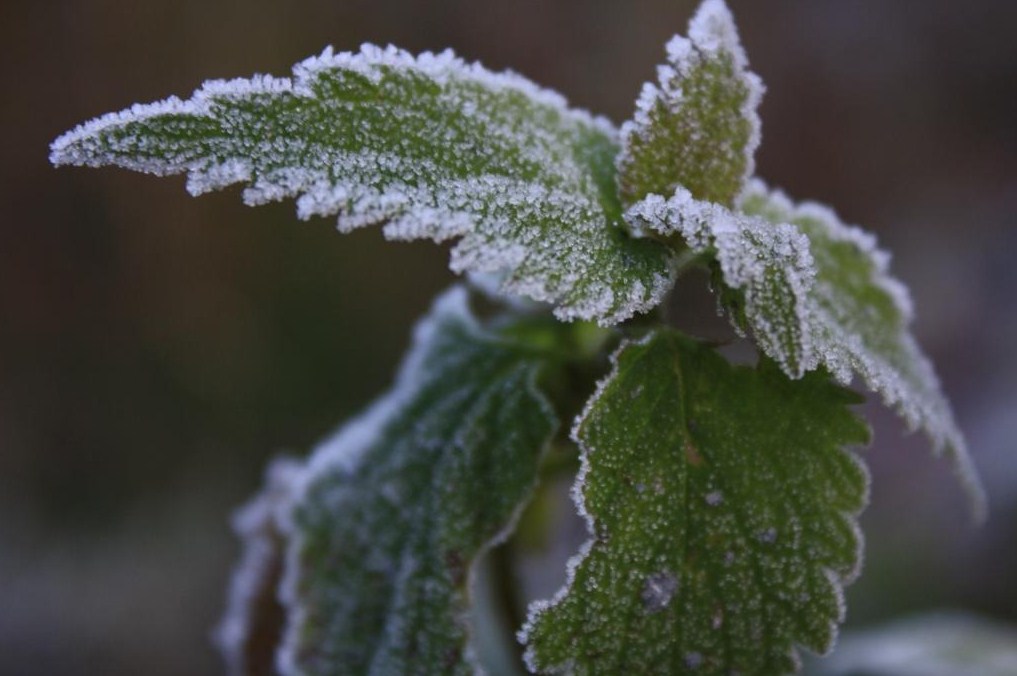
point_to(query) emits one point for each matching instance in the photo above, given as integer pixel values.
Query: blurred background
(156, 349)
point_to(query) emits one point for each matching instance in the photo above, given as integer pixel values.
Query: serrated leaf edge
(712, 30)
(538, 607)
(938, 423)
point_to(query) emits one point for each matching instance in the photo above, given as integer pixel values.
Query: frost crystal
(250, 628)
(698, 127)
(429, 145)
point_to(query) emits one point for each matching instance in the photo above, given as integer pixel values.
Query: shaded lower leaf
(397, 507)
(721, 505)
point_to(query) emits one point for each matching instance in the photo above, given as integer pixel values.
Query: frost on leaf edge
(344, 449)
(368, 62)
(602, 301)
(712, 30)
(936, 419)
(256, 524)
(537, 607)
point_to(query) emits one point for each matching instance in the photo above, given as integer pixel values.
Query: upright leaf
(721, 506)
(431, 146)
(698, 126)
(815, 292)
(395, 509)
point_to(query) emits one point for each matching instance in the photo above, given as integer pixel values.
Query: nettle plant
(721, 500)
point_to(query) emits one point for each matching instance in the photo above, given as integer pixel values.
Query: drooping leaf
(721, 506)
(815, 292)
(395, 509)
(697, 128)
(857, 321)
(767, 269)
(431, 146)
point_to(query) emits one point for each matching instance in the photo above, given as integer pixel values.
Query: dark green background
(156, 349)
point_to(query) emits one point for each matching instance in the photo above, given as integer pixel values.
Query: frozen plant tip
(721, 500)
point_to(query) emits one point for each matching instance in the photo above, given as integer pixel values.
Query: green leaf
(856, 320)
(816, 293)
(395, 509)
(721, 505)
(698, 127)
(767, 270)
(432, 147)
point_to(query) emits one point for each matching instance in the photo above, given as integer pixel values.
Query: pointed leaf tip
(858, 319)
(697, 127)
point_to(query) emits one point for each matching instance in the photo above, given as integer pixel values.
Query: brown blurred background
(156, 349)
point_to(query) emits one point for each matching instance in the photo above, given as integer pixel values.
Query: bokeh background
(156, 349)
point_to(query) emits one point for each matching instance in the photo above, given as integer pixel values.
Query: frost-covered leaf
(857, 321)
(698, 126)
(251, 628)
(767, 269)
(815, 292)
(432, 146)
(394, 510)
(721, 505)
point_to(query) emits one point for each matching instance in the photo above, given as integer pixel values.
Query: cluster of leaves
(721, 500)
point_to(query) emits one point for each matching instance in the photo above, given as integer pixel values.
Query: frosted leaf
(769, 266)
(857, 320)
(697, 127)
(392, 512)
(429, 145)
(249, 632)
(674, 578)
(815, 293)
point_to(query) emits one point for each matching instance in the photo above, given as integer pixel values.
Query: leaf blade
(431, 146)
(394, 510)
(697, 127)
(693, 560)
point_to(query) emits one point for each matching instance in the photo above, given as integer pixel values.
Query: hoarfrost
(432, 146)
(697, 127)
(857, 321)
(648, 592)
(770, 265)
